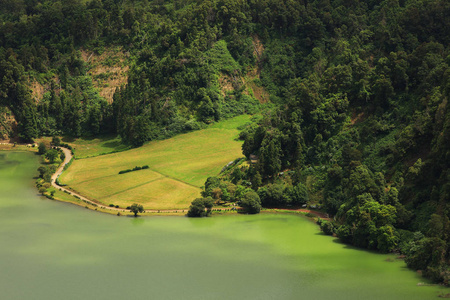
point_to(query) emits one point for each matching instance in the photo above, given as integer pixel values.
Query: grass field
(178, 167)
(89, 147)
(85, 147)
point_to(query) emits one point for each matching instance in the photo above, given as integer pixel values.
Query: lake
(53, 250)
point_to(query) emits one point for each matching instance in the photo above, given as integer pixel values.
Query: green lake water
(53, 250)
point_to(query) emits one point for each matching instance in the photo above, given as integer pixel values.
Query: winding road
(59, 171)
(68, 158)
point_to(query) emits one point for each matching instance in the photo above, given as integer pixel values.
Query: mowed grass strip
(178, 168)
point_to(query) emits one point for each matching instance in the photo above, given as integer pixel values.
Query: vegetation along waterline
(352, 98)
(53, 251)
(177, 167)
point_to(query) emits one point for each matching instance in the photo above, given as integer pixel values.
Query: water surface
(53, 250)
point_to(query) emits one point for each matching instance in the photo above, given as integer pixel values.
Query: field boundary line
(133, 187)
(173, 178)
(95, 178)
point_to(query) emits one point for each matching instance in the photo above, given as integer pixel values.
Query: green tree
(210, 184)
(136, 208)
(299, 194)
(201, 207)
(42, 149)
(250, 202)
(52, 155)
(270, 157)
(387, 239)
(327, 227)
(42, 170)
(56, 141)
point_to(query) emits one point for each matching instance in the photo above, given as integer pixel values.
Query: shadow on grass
(101, 138)
(68, 139)
(348, 246)
(114, 144)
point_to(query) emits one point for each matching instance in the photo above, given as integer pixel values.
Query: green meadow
(178, 167)
(89, 147)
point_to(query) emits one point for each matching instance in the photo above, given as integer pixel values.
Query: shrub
(327, 227)
(251, 202)
(42, 149)
(197, 208)
(134, 169)
(56, 141)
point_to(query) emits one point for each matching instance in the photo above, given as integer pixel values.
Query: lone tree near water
(136, 208)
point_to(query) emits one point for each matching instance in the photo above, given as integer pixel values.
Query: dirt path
(69, 156)
(59, 171)
(319, 214)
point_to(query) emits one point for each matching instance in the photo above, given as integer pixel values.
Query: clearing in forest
(109, 70)
(178, 167)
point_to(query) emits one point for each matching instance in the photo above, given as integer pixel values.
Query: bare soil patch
(108, 70)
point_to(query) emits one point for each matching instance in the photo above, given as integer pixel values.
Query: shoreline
(82, 201)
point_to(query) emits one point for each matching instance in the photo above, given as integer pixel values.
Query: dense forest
(350, 98)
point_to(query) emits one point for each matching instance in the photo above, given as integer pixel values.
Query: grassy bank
(178, 167)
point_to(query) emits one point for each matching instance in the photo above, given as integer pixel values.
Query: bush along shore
(51, 158)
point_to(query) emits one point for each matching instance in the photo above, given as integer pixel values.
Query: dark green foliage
(250, 202)
(200, 207)
(62, 156)
(297, 194)
(42, 171)
(56, 141)
(136, 208)
(42, 149)
(52, 155)
(374, 224)
(327, 227)
(282, 195)
(210, 184)
(134, 169)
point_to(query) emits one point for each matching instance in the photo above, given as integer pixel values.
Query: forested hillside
(353, 97)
